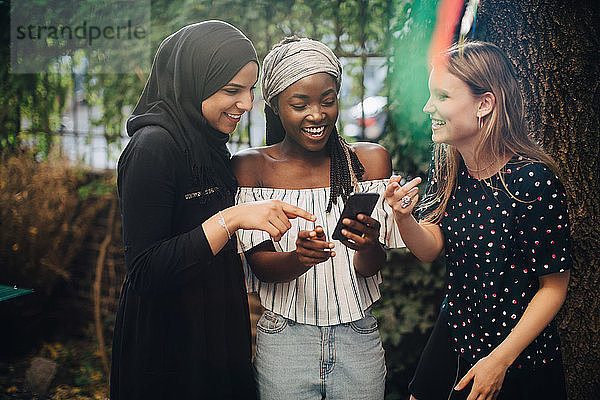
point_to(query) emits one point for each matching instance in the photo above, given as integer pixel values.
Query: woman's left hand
(369, 229)
(487, 376)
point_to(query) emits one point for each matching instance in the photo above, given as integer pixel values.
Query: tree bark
(554, 46)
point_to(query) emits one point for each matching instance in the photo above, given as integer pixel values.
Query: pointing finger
(293, 212)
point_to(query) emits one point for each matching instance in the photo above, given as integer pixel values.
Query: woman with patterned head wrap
(317, 337)
(182, 327)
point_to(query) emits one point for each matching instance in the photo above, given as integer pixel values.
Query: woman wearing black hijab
(182, 328)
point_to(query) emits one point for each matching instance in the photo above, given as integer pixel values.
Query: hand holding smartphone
(357, 203)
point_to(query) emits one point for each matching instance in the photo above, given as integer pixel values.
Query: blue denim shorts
(298, 361)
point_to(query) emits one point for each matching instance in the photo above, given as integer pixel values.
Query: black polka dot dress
(497, 243)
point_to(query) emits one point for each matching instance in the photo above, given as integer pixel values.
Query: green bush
(411, 295)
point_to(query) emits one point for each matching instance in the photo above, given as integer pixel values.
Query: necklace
(479, 170)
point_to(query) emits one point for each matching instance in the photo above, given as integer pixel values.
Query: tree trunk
(554, 46)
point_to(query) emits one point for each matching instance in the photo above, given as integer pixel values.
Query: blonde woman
(495, 205)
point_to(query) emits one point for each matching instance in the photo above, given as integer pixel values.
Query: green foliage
(411, 296)
(97, 187)
(39, 97)
(350, 27)
(115, 94)
(410, 141)
(414, 287)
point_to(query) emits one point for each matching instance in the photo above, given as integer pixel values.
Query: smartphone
(357, 203)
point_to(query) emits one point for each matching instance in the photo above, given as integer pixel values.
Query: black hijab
(190, 66)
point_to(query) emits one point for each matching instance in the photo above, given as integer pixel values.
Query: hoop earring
(479, 122)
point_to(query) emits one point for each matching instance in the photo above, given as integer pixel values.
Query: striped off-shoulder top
(331, 292)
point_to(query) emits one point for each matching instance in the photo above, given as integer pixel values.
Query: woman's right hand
(312, 247)
(271, 216)
(424, 239)
(397, 196)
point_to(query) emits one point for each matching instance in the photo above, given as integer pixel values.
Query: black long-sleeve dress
(182, 328)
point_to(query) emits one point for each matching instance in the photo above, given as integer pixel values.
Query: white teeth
(315, 131)
(437, 122)
(234, 116)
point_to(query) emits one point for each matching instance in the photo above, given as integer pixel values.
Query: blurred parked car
(374, 120)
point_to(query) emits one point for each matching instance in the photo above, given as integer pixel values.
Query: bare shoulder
(247, 164)
(375, 158)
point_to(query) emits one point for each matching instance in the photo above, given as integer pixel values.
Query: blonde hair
(484, 68)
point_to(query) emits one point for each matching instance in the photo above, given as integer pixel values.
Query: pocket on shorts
(271, 323)
(366, 325)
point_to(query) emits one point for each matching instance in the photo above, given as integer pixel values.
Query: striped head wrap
(289, 62)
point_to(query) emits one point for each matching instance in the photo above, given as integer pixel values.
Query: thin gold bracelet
(223, 224)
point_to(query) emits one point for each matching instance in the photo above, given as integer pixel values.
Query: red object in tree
(448, 15)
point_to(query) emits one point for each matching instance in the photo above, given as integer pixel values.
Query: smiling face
(308, 110)
(453, 110)
(223, 110)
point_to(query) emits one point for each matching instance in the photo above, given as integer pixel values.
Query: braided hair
(345, 167)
